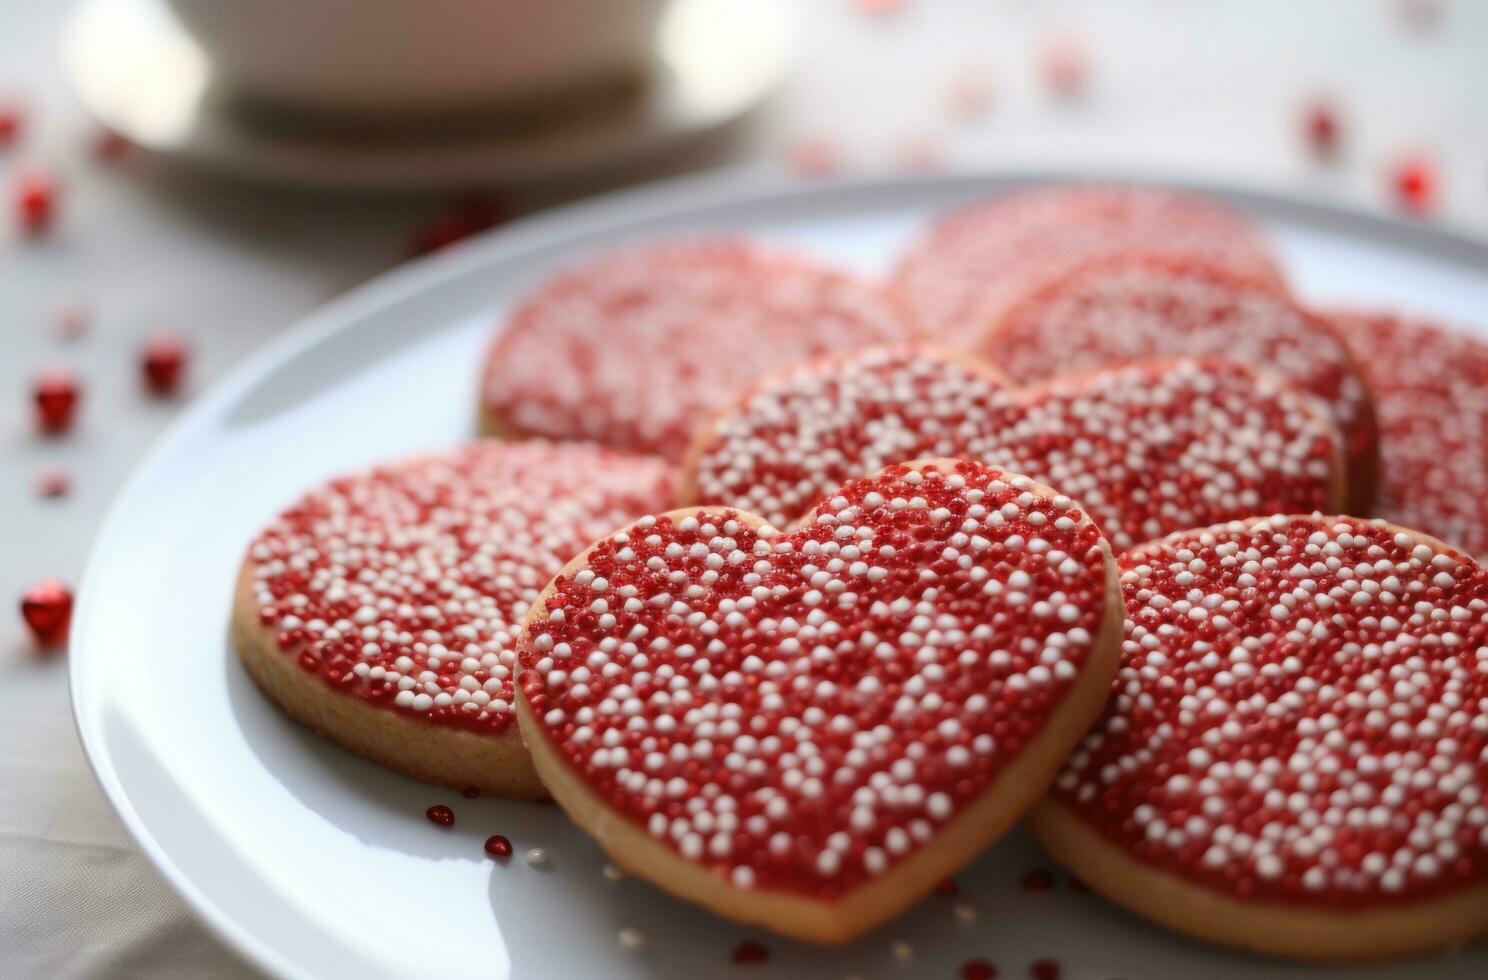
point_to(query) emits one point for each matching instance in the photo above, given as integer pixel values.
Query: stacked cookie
(796, 591)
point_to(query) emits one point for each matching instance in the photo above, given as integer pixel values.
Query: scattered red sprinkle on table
(440, 815)
(35, 202)
(1038, 880)
(919, 153)
(1414, 182)
(458, 222)
(470, 792)
(498, 846)
(814, 156)
(71, 322)
(163, 364)
(750, 951)
(978, 969)
(57, 393)
(11, 119)
(1044, 970)
(969, 94)
(878, 6)
(948, 887)
(47, 609)
(52, 481)
(1321, 129)
(109, 146)
(1064, 66)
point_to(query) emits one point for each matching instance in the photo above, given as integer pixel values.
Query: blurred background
(169, 199)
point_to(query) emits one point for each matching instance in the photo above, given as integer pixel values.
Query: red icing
(979, 260)
(406, 585)
(803, 710)
(56, 393)
(47, 609)
(1301, 714)
(440, 815)
(1430, 388)
(1148, 448)
(631, 349)
(1141, 306)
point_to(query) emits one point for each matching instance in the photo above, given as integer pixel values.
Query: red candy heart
(1148, 448)
(811, 729)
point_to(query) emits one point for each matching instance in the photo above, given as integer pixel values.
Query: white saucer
(136, 70)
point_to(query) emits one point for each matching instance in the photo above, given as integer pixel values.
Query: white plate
(136, 70)
(315, 863)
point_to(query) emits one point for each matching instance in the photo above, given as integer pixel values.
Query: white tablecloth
(1193, 87)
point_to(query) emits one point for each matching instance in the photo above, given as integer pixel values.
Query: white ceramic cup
(410, 56)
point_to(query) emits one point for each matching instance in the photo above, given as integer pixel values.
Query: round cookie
(381, 609)
(808, 730)
(1147, 448)
(1295, 753)
(1430, 389)
(1141, 306)
(980, 259)
(629, 349)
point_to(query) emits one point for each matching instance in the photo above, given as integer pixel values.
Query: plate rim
(650, 203)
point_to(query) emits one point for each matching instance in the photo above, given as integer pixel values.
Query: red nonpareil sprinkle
(47, 609)
(52, 481)
(56, 393)
(405, 585)
(35, 202)
(1414, 184)
(1064, 66)
(163, 359)
(109, 146)
(1152, 447)
(1038, 880)
(978, 969)
(878, 7)
(456, 223)
(815, 156)
(969, 94)
(936, 614)
(470, 792)
(919, 153)
(1319, 684)
(750, 951)
(1321, 129)
(71, 322)
(440, 815)
(498, 846)
(1044, 970)
(11, 120)
(947, 887)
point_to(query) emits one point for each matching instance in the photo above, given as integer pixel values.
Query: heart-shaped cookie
(809, 729)
(1149, 448)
